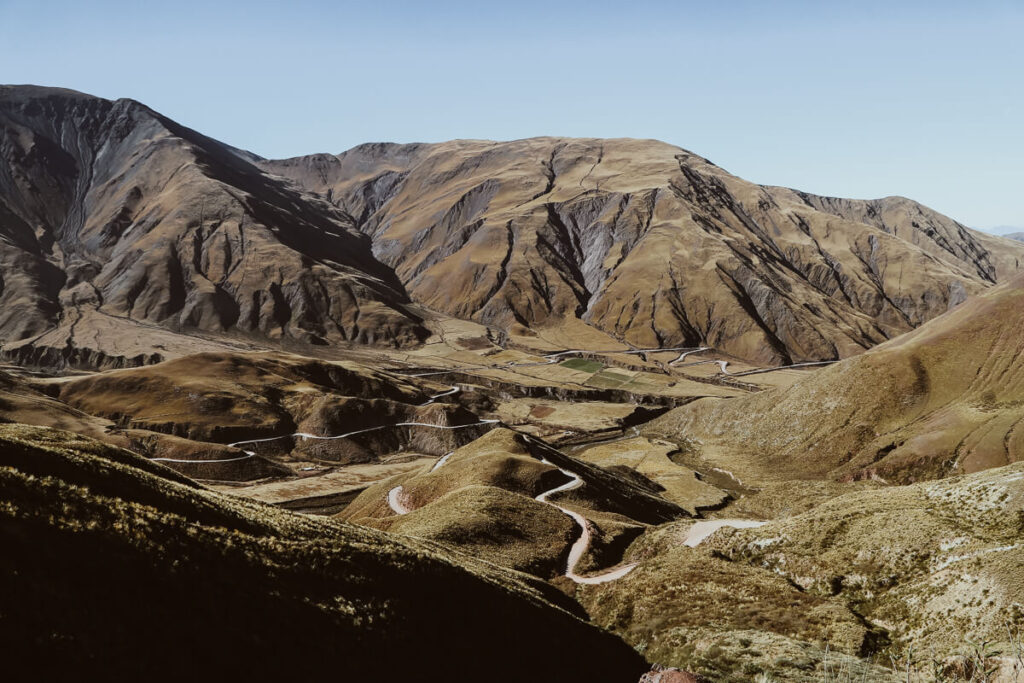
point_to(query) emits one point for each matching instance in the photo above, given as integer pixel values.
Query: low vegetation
(113, 567)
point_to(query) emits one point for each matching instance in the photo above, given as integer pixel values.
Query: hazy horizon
(919, 100)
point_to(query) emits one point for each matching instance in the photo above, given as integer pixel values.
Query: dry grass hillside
(944, 399)
(692, 608)
(651, 460)
(229, 396)
(938, 565)
(20, 402)
(921, 582)
(213, 399)
(651, 244)
(482, 499)
(114, 567)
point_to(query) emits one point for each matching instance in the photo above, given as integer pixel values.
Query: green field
(583, 365)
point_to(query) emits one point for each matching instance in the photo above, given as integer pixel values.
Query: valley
(475, 402)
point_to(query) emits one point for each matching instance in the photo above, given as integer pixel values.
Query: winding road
(442, 460)
(397, 503)
(305, 435)
(552, 358)
(454, 390)
(723, 364)
(579, 548)
(396, 500)
(760, 371)
(700, 531)
(686, 353)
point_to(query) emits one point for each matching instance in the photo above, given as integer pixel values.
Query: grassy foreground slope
(928, 575)
(947, 398)
(116, 567)
(939, 565)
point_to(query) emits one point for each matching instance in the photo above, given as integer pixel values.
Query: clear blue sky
(855, 99)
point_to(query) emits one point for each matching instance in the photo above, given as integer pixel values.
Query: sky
(854, 99)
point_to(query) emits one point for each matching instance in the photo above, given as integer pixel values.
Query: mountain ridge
(474, 207)
(112, 209)
(121, 225)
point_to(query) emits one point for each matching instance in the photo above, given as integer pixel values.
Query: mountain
(1008, 232)
(650, 244)
(945, 399)
(117, 223)
(114, 567)
(128, 239)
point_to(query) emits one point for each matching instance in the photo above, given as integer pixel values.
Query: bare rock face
(108, 209)
(652, 244)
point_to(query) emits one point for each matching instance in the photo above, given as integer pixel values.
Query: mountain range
(562, 409)
(126, 236)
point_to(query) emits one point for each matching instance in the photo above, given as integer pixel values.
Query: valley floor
(543, 460)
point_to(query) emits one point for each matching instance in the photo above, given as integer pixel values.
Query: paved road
(552, 358)
(306, 435)
(396, 499)
(700, 531)
(579, 548)
(785, 367)
(684, 354)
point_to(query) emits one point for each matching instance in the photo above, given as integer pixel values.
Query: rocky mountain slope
(128, 239)
(651, 244)
(249, 590)
(945, 399)
(116, 221)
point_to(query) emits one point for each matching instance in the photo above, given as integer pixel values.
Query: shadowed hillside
(114, 567)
